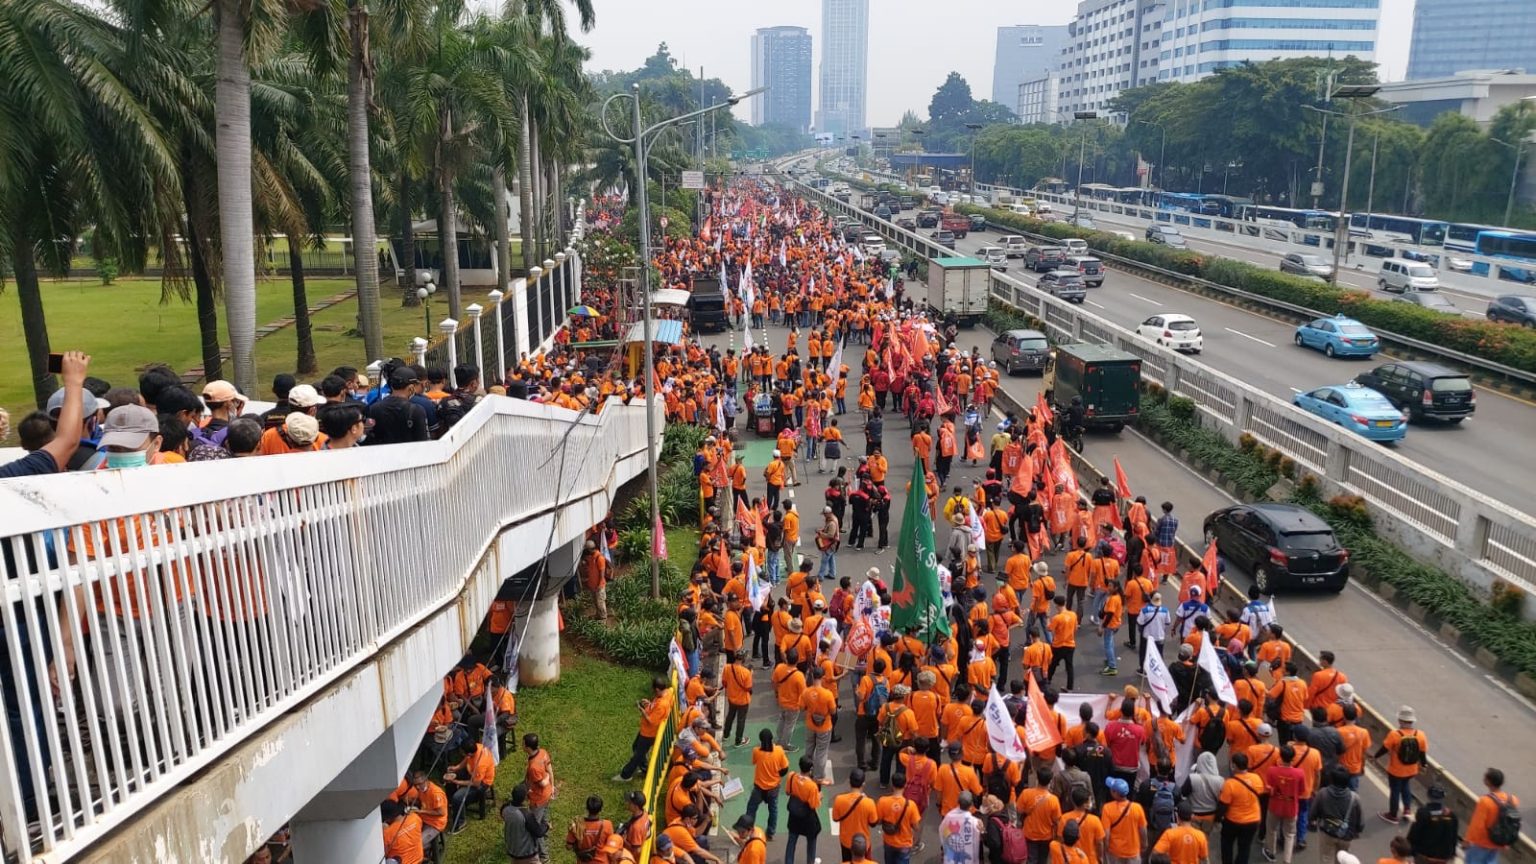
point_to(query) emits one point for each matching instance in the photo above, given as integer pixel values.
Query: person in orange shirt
(820, 706)
(737, 678)
(594, 568)
(402, 833)
(769, 765)
(1240, 799)
(1291, 694)
(1482, 845)
(1063, 630)
(1090, 830)
(1322, 690)
(899, 818)
(922, 446)
(927, 703)
(1184, 843)
(1111, 616)
(955, 778)
(1125, 824)
(751, 841)
(800, 786)
(1409, 749)
(788, 685)
(653, 714)
(430, 803)
(472, 776)
(854, 813)
(1356, 741)
(299, 433)
(1039, 811)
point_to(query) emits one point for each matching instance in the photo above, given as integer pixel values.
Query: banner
(835, 362)
(1040, 732)
(1212, 664)
(978, 536)
(917, 603)
(679, 660)
(1159, 680)
(658, 539)
(1002, 734)
(757, 589)
(1122, 484)
(490, 736)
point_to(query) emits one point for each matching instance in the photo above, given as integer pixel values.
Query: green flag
(916, 601)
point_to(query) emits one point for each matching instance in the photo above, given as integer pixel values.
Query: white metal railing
(1482, 537)
(197, 603)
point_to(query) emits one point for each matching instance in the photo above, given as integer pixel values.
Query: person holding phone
(52, 457)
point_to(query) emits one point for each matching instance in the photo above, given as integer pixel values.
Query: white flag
(746, 340)
(890, 288)
(757, 589)
(490, 735)
(1212, 664)
(978, 537)
(725, 284)
(1159, 679)
(679, 661)
(1001, 731)
(835, 362)
(782, 260)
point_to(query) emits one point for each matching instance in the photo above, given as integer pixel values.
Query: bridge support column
(538, 658)
(341, 825)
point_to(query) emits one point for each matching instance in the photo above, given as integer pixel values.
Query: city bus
(1379, 226)
(1514, 246)
(1312, 220)
(1462, 236)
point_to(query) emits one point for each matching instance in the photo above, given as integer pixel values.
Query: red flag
(658, 540)
(1042, 410)
(1040, 734)
(1122, 484)
(941, 405)
(1208, 564)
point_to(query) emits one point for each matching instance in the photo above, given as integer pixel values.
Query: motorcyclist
(1075, 413)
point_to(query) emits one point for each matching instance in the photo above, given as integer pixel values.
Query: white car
(1173, 330)
(873, 244)
(1457, 263)
(1014, 245)
(995, 256)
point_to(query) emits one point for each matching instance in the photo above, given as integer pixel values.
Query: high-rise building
(1038, 98)
(1024, 52)
(1200, 38)
(1451, 36)
(781, 61)
(844, 67)
(1111, 46)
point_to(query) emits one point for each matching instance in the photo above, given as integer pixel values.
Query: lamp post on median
(975, 133)
(1341, 231)
(638, 136)
(1514, 177)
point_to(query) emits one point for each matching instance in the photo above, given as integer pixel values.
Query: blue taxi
(1338, 337)
(1358, 409)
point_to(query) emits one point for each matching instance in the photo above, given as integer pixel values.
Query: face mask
(136, 459)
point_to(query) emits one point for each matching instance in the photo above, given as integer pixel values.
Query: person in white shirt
(960, 833)
(1154, 623)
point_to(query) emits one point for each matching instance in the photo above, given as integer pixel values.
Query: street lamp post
(975, 133)
(638, 137)
(1082, 154)
(1341, 231)
(1514, 177)
(424, 294)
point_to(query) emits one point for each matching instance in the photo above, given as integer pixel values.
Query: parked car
(1338, 337)
(1400, 275)
(994, 256)
(1166, 235)
(1424, 390)
(1174, 330)
(943, 238)
(1358, 409)
(1043, 258)
(1014, 245)
(1064, 284)
(1303, 264)
(1091, 268)
(1428, 300)
(1513, 308)
(907, 223)
(1016, 351)
(1281, 545)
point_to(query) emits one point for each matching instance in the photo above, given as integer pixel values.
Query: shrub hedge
(1508, 344)
(1173, 420)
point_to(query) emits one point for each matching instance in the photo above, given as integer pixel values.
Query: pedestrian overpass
(283, 627)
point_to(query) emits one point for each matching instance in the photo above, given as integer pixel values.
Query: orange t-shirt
(540, 779)
(738, 684)
(1090, 832)
(1124, 821)
(900, 812)
(768, 767)
(1040, 811)
(1483, 816)
(951, 780)
(1064, 629)
(1183, 844)
(1241, 795)
(854, 812)
(1395, 766)
(818, 701)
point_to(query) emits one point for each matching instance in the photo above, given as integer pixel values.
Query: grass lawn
(587, 722)
(125, 327)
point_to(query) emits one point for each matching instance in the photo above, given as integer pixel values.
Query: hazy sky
(912, 46)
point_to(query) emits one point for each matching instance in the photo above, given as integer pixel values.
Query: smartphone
(55, 363)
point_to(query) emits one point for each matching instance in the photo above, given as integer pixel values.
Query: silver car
(1302, 264)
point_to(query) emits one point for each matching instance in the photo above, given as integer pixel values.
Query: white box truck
(958, 288)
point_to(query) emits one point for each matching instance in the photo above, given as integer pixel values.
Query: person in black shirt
(395, 418)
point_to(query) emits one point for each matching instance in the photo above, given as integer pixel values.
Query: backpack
(1409, 752)
(453, 409)
(1015, 847)
(918, 788)
(200, 435)
(803, 818)
(1505, 828)
(1215, 732)
(878, 694)
(1338, 828)
(890, 731)
(1164, 811)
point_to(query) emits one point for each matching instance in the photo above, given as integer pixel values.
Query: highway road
(1485, 452)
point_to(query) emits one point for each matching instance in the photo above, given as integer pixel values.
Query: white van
(1013, 245)
(994, 256)
(1076, 246)
(1398, 275)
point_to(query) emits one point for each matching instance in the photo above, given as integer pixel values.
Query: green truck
(1108, 380)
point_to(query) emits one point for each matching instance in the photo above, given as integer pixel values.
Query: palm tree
(69, 125)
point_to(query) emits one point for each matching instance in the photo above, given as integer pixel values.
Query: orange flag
(1212, 576)
(1122, 484)
(1040, 733)
(1042, 410)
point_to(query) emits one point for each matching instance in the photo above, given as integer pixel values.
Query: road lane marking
(1141, 298)
(1246, 336)
(1095, 305)
(1295, 390)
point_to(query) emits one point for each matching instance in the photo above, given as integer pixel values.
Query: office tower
(1024, 53)
(1200, 38)
(1111, 46)
(844, 67)
(781, 61)
(1451, 36)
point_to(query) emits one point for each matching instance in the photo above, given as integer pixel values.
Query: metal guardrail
(1438, 519)
(199, 603)
(1182, 280)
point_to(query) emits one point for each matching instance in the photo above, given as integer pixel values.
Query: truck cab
(707, 306)
(1107, 380)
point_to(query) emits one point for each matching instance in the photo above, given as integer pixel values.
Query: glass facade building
(1024, 53)
(1202, 36)
(781, 61)
(844, 67)
(1451, 36)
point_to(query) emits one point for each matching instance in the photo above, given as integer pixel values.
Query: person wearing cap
(897, 725)
(1408, 747)
(1153, 624)
(1436, 830)
(636, 830)
(396, 418)
(1190, 610)
(402, 833)
(299, 433)
(82, 433)
(775, 474)
(130, 437)
(224, 403)
(1125, 824)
